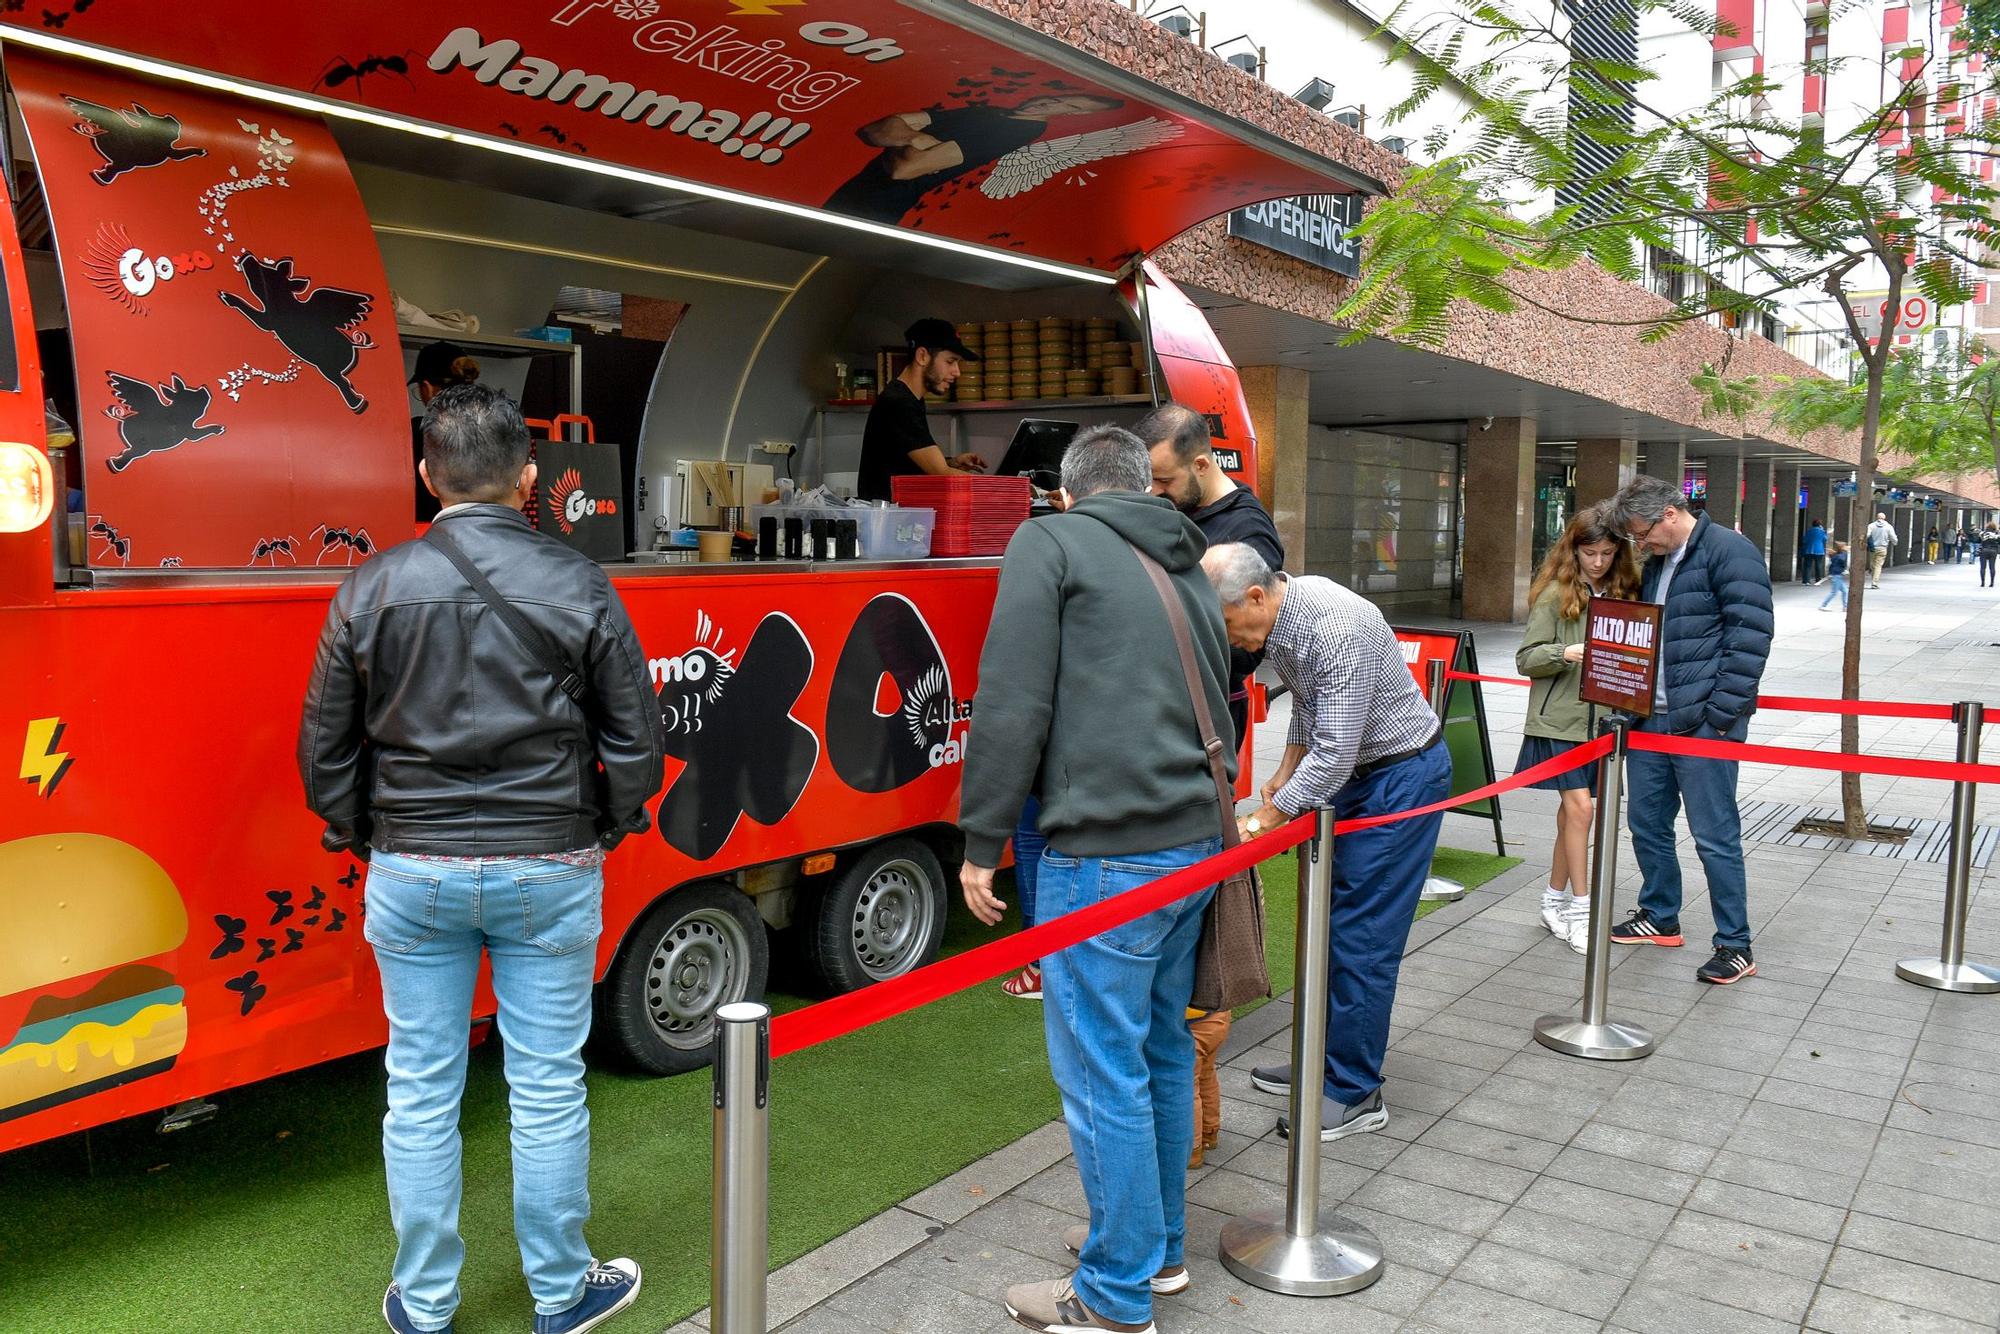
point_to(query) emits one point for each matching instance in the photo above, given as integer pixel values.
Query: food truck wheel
(882, 917)
(700, 947)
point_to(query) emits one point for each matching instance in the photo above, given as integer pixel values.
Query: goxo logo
(573, 505)
(128, 274)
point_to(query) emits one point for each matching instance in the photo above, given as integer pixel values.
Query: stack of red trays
(976, 516)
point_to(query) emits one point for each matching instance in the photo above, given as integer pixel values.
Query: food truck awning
(868, 126)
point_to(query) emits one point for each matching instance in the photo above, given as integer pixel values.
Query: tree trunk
(1853, 814)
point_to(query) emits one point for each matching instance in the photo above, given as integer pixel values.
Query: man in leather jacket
(435, 739)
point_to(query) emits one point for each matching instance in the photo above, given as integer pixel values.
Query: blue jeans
(1116, 1017)
(1837, 589)
(1028, 845)
(1378, 876)
(539, 921)
(1656, 786)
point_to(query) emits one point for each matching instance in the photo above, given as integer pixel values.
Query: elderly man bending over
(1364, 742)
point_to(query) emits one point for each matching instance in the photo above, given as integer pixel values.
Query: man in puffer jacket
(1714, 590)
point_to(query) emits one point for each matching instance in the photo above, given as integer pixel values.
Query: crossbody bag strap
(545, 651)
(1211, 744)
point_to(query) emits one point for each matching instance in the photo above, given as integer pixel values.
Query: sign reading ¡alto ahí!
(1621, 655)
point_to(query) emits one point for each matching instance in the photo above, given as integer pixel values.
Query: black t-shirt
(427, 504)
(896, 426)
(1240, 517)
(983, 134)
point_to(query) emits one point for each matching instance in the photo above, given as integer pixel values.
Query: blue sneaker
(399, 1319)
(608, 1288)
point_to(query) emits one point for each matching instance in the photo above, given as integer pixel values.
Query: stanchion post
(1949, 971)
(1437, 888)
(1594, 1036)
(1297, 1252)
(739, 1228)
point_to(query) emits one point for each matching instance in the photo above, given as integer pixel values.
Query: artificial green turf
(273, 1217)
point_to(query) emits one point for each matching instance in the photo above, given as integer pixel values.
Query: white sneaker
(1576, 926)
(1553, 907)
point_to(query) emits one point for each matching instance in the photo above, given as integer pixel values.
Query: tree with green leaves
(1567, 155)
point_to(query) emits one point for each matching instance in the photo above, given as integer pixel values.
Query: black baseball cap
(937, 336)
(434, 362)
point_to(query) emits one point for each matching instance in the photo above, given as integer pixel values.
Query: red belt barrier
(1859, 707)
(884, 1000)
(1787, 703)
(1890, 766)
(1489, 680)
(1585, 752)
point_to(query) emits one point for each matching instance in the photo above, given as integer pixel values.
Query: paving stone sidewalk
(1817, 1148)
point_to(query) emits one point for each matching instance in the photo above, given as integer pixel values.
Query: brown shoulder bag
(1229, 965)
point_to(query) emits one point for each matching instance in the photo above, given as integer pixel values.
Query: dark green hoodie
(1081, 697)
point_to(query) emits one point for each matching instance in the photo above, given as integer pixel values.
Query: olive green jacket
(1555, 710)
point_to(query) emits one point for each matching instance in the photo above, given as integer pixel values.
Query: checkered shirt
(1354, 700)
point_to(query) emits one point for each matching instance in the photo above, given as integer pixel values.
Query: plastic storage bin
(895, 533)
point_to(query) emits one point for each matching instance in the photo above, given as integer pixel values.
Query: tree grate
(1928, 841)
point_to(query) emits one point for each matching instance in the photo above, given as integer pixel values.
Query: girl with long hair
(1591, 559)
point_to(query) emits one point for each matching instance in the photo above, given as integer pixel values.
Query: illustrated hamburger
(80, 917)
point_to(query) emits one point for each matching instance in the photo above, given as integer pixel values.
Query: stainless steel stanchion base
(1942, 976)
(1342, 1257)
(1437, 889)
(1593, 1042)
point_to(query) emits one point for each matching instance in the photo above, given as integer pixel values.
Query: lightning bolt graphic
(41, 762)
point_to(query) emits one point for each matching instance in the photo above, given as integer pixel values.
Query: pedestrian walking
(1968, 543)
(1931, 546)
(1989, 551)
(1881, 536)
(481, 728)
(1839, 577)
(1082, 677)
(1364, 741)
(1714, 590)
(1591, 559)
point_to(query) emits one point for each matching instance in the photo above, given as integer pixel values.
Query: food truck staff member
(439, 365)
(1186, 472)
(897, 441)
(1365, 742)
(434, 736)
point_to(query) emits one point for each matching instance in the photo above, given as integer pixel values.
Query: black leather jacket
(430, 728)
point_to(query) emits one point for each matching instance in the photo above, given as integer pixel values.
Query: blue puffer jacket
(1716, 631)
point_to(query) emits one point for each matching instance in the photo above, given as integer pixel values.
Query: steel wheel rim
(699, 965)
(892, 919)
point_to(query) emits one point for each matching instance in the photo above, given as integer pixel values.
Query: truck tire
(883, 916)
(700, 947)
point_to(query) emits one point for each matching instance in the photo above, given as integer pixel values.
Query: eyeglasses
(1637, 538)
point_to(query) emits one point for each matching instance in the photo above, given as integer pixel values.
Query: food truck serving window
(239, 380)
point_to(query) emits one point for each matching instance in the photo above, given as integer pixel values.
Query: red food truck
(221, 240)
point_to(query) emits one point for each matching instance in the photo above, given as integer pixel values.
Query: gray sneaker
(1338, 1121)
(1273, 1078)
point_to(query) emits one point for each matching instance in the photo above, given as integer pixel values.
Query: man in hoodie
(1081, 684)
(1186, 471)
(1364, 741)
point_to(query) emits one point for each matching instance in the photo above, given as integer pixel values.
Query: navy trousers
(1378, 876)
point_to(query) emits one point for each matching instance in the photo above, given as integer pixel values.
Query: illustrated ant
(352, 541)
(340, 69)
(270, 548)
(115, 542)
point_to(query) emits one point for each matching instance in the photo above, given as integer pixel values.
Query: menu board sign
(1621, 655)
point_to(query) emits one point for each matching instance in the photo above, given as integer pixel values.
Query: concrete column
(1819, 500)
(1666, 460)
(1499, 514)
(1757, 510)
(1842, 526)
(1725, 489)
(1278, 397)
(1785, 527)
(1602, 466)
